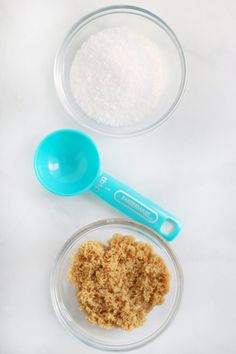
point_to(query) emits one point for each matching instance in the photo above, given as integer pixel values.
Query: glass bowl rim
(85, 20)
(75, 237)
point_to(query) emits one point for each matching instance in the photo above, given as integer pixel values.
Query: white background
(188, 166)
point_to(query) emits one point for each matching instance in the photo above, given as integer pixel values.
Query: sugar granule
(116, 76)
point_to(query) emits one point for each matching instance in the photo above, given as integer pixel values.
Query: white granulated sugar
(117, 76)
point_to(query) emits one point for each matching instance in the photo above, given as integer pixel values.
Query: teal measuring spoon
(67, 163)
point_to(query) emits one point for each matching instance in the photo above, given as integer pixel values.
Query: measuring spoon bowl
(67, 162)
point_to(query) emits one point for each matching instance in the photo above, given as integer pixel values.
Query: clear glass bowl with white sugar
(140, 22)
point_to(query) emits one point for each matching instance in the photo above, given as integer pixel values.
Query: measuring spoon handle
(136, 206)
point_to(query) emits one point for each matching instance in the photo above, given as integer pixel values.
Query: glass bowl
(149, 25)
(67, 308)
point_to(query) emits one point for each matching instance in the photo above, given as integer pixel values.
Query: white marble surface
(189, 167)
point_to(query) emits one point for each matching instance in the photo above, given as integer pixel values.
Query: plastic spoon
(67, 163)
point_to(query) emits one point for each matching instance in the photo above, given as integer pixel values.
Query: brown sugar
(119, 283)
